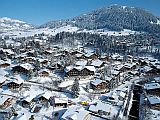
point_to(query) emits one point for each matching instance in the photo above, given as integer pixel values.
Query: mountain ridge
(114, 18)
(10, 24)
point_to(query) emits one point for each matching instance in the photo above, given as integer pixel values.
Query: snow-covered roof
(96, 82)
(4, 62)
(129, 65)
(108, 78)
(44, 70)
(115, 56)
(75, 113)
(15, 80)
(89, 54)
(81, 62)
(104, 107)
(149, 86)
(46, 95)
(91, 68)
(32, 93)
(122, 94)
(61, 100)
(42, 60)
(97, 63)
(114, 72)
(27, 66)
(118, 67)
(79, 68)
(8, 51)
(154, 100)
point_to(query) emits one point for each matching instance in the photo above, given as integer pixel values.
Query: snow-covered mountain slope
(68, 28)
(113, 18)
(9, 24)
(46, 31)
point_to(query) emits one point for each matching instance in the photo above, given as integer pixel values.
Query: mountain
(114, 18)
(9, 24)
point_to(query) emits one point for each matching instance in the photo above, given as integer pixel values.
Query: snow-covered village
(81, 68)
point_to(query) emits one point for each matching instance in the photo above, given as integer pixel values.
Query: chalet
(142, 62)
(97, 63)
(98, 84)
(91, 56)
(154, 102)
(88, 70)
(152, 88)
(4, 64)
(23, 68)
(8, 52)
(72, 71)
(76, 113)
(43, 62)
(119, 67)
(6, 114)
(115, 74)
(80, 70)
(29, 60)
(110, 81)
(59, 101)
(103, 109)
(150, 71)
(14, 83)
(80, 56)
(104, 58)
(129, 66)
(117, 57)
(27, 102)
(81, 63)
(57, 66)
(44, 97)
(44, 73)
(5, 101)
(122, 96)
(75, 52)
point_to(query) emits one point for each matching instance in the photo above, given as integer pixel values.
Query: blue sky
(41, 11)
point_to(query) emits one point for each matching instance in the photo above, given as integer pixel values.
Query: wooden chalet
(30, 60)
(80, 70)
(152, 88)
(43, 62)
(98, 84)
(44, 73)
(14, 83)
(91, 56)
(104, 58)
(129, 66)
(22, 68)
(5, 101)
(6, 114)
(59, 101)
(150, 71)
(97, 63)
(88, 70)
(44, 97)
(4, 64)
